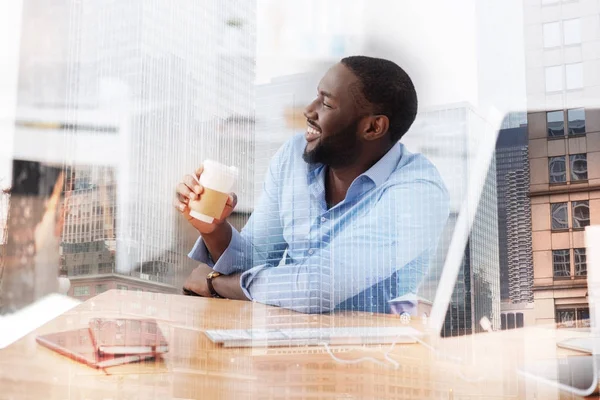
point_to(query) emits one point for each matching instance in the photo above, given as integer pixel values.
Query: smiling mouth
(312, 133)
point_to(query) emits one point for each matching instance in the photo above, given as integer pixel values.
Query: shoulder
(416, 184)
(415, 169)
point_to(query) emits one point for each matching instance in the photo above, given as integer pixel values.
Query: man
(348, 217)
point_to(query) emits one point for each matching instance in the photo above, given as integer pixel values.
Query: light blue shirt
(373, 246)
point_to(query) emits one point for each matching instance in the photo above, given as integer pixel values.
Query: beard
(337, 150)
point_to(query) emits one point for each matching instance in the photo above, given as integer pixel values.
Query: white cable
(396, 364)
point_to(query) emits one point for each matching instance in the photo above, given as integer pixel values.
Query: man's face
(333, 119)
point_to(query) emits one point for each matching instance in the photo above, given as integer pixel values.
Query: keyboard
(356, 335)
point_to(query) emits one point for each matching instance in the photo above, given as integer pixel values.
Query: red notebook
(127, 336)
(78, 346)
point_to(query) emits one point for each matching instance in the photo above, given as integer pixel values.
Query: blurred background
(124, 98)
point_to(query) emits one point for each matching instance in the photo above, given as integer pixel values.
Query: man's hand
(190, 189)
(196, 282)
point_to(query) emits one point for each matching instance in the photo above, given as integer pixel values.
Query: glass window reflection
(576, 118)
(559, 216)
(580, 262)
(565, 318)
(555, 123)
(557, 169)
(561, 263)
(581, 214)
(578, 166)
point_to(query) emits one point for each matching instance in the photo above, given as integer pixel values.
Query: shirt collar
(387, 164)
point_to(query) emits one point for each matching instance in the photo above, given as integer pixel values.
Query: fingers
(181, 206)
(232, 200)
(184, 193)
(193, 185)
(199, 171)
(229, 206)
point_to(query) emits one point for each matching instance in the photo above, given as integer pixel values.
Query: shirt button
(311, 252)
(323, 219)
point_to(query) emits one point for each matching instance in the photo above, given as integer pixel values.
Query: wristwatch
(209, 278)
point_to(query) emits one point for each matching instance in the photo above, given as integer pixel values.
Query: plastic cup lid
(221, 167)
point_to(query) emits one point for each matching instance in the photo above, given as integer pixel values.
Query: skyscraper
(448, 136)
(158, 88)
(563, 92)
(511, 156)
(518, 228)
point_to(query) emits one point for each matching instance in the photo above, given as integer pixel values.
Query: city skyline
(128, 115)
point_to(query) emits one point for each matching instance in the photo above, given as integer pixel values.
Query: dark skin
(340, 103)
(351, 138)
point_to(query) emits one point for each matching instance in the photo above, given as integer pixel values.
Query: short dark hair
(389, 88)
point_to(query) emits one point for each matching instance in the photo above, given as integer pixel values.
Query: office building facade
(166, 87)
(563, 92)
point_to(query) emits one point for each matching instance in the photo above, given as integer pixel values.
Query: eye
(327, 105)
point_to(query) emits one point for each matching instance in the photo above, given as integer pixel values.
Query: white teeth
(312, 130)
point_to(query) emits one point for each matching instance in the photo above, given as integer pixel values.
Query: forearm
(217, 242)
(305, 288)
(229, 286)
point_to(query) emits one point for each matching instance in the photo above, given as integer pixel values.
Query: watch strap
(211, 288)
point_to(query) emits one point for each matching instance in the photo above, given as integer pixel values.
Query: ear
(376, 127)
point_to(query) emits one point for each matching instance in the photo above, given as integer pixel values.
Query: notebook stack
(109, 342)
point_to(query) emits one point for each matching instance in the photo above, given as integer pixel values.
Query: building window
(101, 288)
(554, 79)
(81, 291)
(574, 76)
(565, 318)
(578, 166)
(576, 117)
(573, 317)
(81, 269)
(510, 321)
(122, 287)
(552, 34)
(503, 322)
(105, 268)
(520, 320)
(581, 214)
(559, 216)
(583, 317)
(580, 262)
(572, 32)
(555, 123)
(557, 169)
(561, 263)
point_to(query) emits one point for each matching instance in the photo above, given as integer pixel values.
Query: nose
(310, 111)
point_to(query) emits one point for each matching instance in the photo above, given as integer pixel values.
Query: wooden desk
(196, 368)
